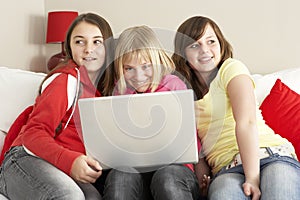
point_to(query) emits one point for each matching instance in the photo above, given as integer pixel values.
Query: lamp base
(54, 60)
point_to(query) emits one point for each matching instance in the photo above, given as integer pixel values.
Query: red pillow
(14, 131)
(281, 111)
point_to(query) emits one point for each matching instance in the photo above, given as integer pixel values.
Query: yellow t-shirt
(216, 125)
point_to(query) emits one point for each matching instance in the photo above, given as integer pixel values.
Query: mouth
(139, 84)
(205, 59)
(88, 59)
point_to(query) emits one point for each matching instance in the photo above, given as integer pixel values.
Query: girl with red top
(47, 160)
(142, 66)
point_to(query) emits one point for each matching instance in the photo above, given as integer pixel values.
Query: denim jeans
(175, 182)
(279, 180)
(24, 176)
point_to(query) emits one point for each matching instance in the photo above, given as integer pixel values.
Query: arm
(49, 109)
(241, 94)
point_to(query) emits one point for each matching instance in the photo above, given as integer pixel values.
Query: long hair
(106, 78)
(141, 42)
(188, 32)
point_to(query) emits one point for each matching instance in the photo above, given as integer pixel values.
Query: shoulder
(232, 68)
(173, 82)
(60, 79)
(69, 67)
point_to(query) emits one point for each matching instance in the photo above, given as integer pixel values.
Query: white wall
(263, 33)
(22, 35)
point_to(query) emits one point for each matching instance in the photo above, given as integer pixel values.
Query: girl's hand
(204, 185)
(252, 190)
(86, 169)
(202, 171)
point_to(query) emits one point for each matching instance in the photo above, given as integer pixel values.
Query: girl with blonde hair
(142, 66)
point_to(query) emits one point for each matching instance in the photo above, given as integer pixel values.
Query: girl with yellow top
(248, 160)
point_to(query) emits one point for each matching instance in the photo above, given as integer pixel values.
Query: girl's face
(205, 54)
(138, 73)
(88, 48)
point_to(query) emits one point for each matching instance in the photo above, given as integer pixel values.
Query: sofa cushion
(18, 90)
(264, 83)
(281, 111)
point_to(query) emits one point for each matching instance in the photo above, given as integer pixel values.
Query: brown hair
(106, 78)
(188, 32)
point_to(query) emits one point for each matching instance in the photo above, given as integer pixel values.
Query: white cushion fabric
(2, 137)
(18, 90)
(264, 83)
(3, 197)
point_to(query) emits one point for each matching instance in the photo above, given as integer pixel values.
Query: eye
(147, 66)
(193, 46)
(98, 42)
(127, 68)
(79, 42)
(211, 41)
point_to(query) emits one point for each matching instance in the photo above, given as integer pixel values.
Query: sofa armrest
(18, 90)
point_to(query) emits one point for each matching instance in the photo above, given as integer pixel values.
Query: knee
(273, 184)
(122, 185)
(123, 178)
(174, 182)
(68, 193)
(227, 186)
(170, 175)
(163, 175)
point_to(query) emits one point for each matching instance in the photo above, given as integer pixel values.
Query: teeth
(88, 59)
(140, 82)
(205, 59)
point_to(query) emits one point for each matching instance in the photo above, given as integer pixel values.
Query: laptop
(140, 131)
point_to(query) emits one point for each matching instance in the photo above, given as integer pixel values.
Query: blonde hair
(141, 42)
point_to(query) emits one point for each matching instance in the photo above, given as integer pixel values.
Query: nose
(89, 48)
(203, 48)
(139, 75)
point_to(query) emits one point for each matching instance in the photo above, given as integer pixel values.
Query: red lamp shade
(58, 24)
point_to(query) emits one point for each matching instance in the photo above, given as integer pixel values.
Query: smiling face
(138, 73)
(88, 48)
(205, 54)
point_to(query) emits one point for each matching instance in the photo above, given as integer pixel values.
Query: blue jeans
(23, 176)
(279, 179)
(170, 182)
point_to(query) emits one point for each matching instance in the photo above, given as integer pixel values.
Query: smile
(205, 59)
(89, 59)
(140, 83)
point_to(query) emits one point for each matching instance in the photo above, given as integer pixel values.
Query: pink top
(168, 83)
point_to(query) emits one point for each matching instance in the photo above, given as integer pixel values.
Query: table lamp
(58, 24)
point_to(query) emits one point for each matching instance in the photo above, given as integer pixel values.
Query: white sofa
(19, 88)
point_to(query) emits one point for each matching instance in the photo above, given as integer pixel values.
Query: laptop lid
(142, 131)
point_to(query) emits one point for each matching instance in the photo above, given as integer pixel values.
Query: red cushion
(281, 111)
(14, 130)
